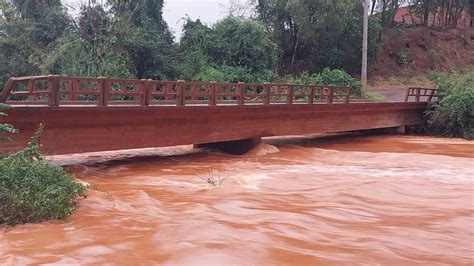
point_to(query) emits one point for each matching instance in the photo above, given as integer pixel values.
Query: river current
(398, 200)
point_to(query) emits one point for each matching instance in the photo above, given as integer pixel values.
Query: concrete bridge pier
(234, 147)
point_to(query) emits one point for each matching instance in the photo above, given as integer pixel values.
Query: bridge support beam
(235, 147)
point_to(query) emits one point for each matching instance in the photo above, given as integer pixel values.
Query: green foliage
(123, 39)
(32, 190)
(453, 115)
(4, 127)
(320, 33)
(402, 56)
(434, 54)
(243, 43)
(76, 57)
(336, 77)
(233, 50)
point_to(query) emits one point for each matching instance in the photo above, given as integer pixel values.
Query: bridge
(98, 114)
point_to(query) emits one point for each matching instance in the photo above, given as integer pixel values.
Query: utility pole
(364, 44)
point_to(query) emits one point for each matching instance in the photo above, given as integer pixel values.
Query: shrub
(402, 56)
(233, 74)
(32, 190)
(336, 77)
(4, 127)
(453, 114)
(434, 54)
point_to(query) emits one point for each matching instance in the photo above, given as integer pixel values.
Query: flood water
(397, 200)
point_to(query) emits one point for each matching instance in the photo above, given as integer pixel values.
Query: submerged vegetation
(453, 115)
(33, 190)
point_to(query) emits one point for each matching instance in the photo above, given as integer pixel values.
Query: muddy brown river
(398, 200)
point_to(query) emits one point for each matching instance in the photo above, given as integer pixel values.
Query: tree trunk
(295, 48)
(395, 7)
(373, 7)
(426, 12)
(384, 12)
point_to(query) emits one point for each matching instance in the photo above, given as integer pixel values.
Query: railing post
(311, 94)
(407, 95)
(289, 98)
(212, 93)
(266, 91)
(241, 93)
(418, 92)
(348, 93)
(146, 87)
(102, 85)
(330, 95)
(53, 86)
(6, 90)
(430, 97)
(180, 93)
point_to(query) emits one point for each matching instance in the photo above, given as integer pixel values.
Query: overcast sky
(209, 11)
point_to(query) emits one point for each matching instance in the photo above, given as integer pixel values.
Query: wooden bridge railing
(55, 90)
(421, 94)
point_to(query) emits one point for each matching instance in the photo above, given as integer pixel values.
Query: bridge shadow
(189, 153)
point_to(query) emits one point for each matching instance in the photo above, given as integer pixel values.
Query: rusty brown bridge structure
(100, 114)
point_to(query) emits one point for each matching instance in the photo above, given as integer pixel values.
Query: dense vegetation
(318, 34)
(327, 77)
(453, 115)
(233, 50)
(31, 189)
(129, 38)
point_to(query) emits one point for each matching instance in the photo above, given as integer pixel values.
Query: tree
(319, 33)
(139, 25)
(28, 32)
(234, 47)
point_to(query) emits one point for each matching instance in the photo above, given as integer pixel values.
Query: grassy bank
(33, 190)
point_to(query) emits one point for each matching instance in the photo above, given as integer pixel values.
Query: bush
(4, 127)
(402, 56)
(232, 50)
(233, 74)
(453, 114)
(32, 190)
(336, 77)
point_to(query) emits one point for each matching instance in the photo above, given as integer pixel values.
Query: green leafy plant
(402, 56)
(453, 115)
(336, 77)
(33, 190)
(4, 127)
(434, 54)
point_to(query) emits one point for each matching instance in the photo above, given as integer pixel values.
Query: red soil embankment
(416, 51)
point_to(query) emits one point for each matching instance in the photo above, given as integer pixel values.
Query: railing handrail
(419, 92)
(102, 91)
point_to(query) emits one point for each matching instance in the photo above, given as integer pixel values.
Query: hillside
(417, 51)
